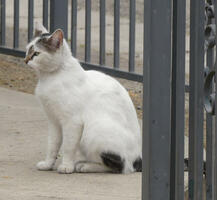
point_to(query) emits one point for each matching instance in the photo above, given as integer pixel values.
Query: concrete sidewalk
(23, 138)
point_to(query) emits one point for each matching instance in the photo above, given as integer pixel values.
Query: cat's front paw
(66, 168)
(44, 165)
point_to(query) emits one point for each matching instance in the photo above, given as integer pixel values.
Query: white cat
(89, 113)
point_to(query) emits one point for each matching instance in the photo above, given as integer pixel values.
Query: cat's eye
(36, 53)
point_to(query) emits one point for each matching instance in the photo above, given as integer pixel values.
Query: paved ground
(23, 136)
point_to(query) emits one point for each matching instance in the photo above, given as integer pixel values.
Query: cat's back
(105, 87)
(112, 99)
(102, 81)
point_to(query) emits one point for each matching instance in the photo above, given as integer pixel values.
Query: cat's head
(46, 51)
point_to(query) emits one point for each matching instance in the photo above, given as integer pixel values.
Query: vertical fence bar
(59, 16)
(30, 19)
(156, 100)
(116, 33)
(74, 28)
(178, 101)
(132, 36)
(45, 13)
(209, 130)
(2, 33)
(87, 30)
(209, 134)
(215, 121)
(16, 23)
(196, 100)
(102, 32)
(209, 157)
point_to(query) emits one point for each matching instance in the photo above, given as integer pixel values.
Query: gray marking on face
(44, 43)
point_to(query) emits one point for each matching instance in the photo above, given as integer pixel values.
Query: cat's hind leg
(110, 162)
(90, 167)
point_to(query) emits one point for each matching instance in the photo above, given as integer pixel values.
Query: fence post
(197, 16)
(59, 16)
(156, 100)
(178, 101)
(214, 193)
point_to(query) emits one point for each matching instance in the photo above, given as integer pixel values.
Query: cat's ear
(39, 29)
(55, 41)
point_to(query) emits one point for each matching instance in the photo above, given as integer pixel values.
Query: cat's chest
(56, 101)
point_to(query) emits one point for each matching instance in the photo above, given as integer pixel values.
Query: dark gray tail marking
(113, 161)
(137, 165)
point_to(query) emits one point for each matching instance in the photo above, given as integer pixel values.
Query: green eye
(36, 53)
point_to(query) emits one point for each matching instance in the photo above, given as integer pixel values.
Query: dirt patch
(14, 74)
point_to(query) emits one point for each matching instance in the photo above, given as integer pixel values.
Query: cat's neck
(68, 66)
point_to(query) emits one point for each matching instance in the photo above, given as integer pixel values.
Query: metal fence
(163, 85)
(58, 18)
(164, 100)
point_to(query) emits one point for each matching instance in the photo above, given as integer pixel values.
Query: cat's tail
(113, 161)
(117, 164)
(137, 165)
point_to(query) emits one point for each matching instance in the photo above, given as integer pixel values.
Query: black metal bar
(16, 23)
(156, 100)
(30, 19)
(215, 121)
(209, 145)
(132, 36)
(116, 33)
(59, 16)
(102, 32)
(45, 13)
(2, 34)
(196, 100)
(178, 101)
(209, 158)
(74, 28)
(87, 30)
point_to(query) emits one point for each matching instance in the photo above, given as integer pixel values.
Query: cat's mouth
(30, 56)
